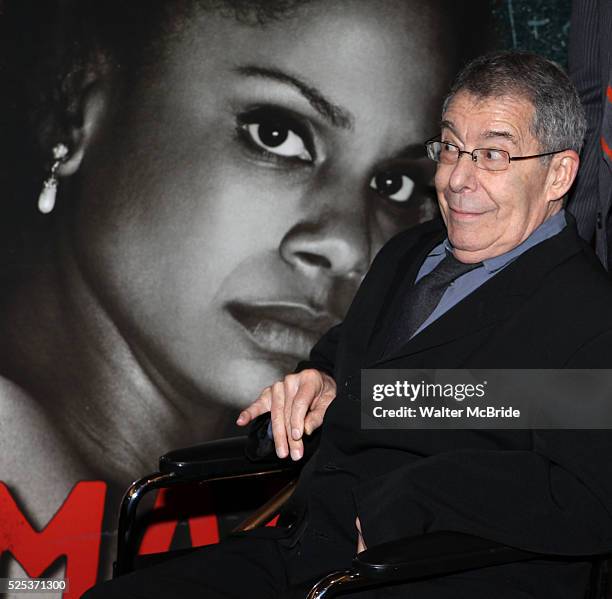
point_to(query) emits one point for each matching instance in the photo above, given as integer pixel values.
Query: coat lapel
(399, 279)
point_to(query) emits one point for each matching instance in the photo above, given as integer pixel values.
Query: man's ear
(85, 121)
(561, 174)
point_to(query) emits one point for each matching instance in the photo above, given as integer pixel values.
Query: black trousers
(266, 565)
(238, 567)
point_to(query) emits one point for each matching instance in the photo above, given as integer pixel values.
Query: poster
(231, 173)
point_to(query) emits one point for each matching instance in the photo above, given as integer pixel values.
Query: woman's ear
(89, 113)
(70, 145)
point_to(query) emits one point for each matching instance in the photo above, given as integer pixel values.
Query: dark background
(540, 26)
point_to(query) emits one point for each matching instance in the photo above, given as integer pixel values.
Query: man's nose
(332, 239)
(464, 174)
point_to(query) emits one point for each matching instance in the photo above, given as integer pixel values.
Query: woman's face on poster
(235, 191)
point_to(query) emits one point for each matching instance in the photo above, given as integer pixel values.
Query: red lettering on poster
(273, 521)
(204, 529)
(74, 532)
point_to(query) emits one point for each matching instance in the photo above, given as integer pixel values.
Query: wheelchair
(405, 560)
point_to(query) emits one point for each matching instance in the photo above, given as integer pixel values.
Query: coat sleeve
(323, 354)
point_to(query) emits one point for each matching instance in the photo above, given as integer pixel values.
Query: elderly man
(505, 283)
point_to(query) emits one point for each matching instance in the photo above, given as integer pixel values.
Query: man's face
(489, 213)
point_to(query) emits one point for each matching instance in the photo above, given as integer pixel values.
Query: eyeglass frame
(475, 160)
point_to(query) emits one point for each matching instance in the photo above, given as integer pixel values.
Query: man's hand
(297, 405)
(361, 546)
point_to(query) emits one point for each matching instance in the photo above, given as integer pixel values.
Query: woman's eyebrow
(336, 115)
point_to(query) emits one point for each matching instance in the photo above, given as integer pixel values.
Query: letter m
(73, 532)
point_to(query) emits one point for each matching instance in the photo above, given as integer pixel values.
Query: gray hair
(559, 121)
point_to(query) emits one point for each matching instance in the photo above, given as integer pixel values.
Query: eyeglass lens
(486, 158)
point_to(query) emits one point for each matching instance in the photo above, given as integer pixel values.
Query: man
(513, 287)
(590, 62)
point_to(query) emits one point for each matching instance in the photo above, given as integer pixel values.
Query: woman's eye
(395, 186)
(278, 138)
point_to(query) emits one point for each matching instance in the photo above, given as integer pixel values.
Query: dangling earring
(48, 193)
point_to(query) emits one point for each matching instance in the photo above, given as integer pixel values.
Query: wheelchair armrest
(232, 458)
(438, 554)
(221, 458)
(434, 554)
(216, 460)
(235, 456)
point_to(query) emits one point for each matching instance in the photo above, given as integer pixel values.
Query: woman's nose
(333, 240)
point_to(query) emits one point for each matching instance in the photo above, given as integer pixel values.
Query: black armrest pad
(434, 554)
(224, 457)
(236, 456)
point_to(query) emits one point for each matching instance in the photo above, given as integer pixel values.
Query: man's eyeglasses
(489, 159)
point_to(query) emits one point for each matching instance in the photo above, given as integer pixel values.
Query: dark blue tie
(421, 300)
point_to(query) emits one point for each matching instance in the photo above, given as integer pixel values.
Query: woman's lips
(288, 329)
